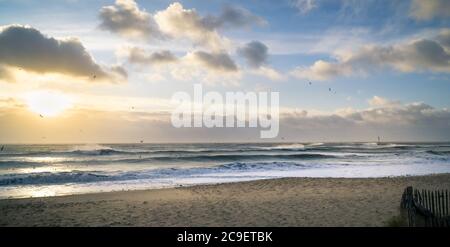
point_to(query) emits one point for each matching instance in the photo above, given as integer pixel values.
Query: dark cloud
(119, 70)
(444, 38)
(215, 61)
(255, 53)
(429, 9)
(393, 115)
(125, 18)
(232, 17)
(29, 49)
(416, 56)
(428, 54)
(419, 55)
(140, 56)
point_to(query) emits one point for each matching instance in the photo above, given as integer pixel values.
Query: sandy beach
(276, 202)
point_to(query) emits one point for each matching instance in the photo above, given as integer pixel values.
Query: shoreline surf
(49, 170)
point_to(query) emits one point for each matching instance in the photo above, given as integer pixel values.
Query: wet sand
(275, 202)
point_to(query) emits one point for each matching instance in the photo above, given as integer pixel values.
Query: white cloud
(175, 22)
(197, 66)
(322, 70)
(178, 22)
(304, 6)
(268, 72)
(378, 101)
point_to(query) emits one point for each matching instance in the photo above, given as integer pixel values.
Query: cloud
(413, 113)
(139, 56)
(304, 6)
(28, 49)
(126, 19)
(220, 62)
(429, 9)
(402, 122)
(196, 66)
(268, 72)
(378, 101)
(233, 17)
(444, 39)
(178, 22)
(175, 22)
(321, 71)
(387, 118)
(6, 74)
(255, 53)
(416, 56)
(119, 70)
(10, 103)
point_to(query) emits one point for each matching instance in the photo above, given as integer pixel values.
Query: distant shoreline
(271, 202)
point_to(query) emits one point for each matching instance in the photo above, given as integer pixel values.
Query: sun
(47, 103)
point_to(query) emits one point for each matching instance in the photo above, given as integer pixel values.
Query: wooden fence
(426, 208)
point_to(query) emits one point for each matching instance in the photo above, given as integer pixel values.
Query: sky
(88, 71)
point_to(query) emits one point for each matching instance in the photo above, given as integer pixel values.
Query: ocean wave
(106, 151)
(154, 150)
(45, 178)
(440, 153)
(115, 154)
(237, 157)
(50, 178)
(202, 157)
(14, 163)
(241, 166)
(293, 146)
(316, 144)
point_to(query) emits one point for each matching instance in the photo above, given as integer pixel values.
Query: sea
(54, 170)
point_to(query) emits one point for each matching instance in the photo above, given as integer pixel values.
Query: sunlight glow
(47, 103)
